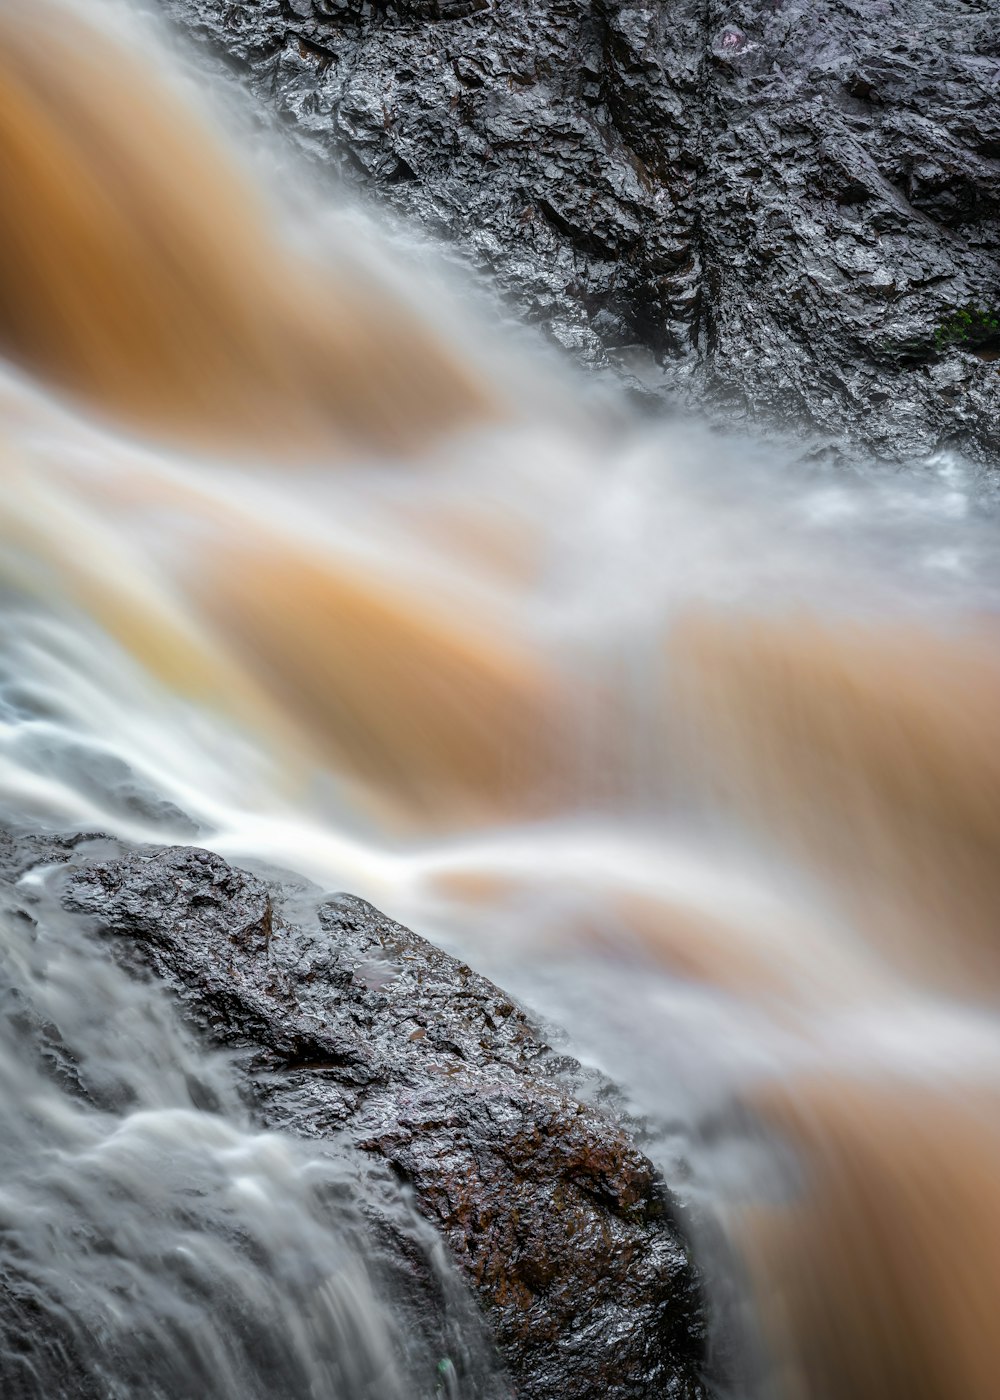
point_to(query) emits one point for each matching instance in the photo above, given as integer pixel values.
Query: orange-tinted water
(287, 557)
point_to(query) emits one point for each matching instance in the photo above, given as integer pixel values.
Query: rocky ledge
(347, 1026)
(788, 208)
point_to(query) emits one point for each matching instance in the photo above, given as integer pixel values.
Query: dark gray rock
(850, 194)
(350, 1028)
(779, 203)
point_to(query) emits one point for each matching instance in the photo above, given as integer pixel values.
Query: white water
(693, 931)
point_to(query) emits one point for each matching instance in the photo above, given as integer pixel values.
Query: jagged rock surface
(349, 1027)
(780, 201)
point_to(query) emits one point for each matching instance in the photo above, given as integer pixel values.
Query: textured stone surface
(767, 197)
(350, 1028)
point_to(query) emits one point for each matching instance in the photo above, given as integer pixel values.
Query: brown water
(697, 749)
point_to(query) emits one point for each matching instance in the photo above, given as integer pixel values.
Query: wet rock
(757, 202)
(349, 1028)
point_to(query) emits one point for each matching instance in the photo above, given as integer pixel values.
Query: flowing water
(691, 744)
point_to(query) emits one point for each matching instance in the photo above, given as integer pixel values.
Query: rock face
(347, 1025)
(784, 203)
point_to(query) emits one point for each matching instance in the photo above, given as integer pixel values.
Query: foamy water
(691, 744)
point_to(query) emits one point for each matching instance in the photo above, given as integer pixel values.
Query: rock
(155, 1244)
(347, 1026)
(774, 206)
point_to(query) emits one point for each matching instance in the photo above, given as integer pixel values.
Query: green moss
(971, 328)
(975, 328)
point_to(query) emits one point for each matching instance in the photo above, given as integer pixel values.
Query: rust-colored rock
(349, 1024)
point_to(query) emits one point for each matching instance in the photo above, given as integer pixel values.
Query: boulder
(348, 1028)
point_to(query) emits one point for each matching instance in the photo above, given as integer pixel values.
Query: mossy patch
(973, 328)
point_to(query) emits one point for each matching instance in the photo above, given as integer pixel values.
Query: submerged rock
(348, 1027)
(778, 207)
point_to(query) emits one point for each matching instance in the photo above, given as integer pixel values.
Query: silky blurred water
(685, 738)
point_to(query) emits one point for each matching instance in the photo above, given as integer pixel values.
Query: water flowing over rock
(785, 210)
(348, 1027)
